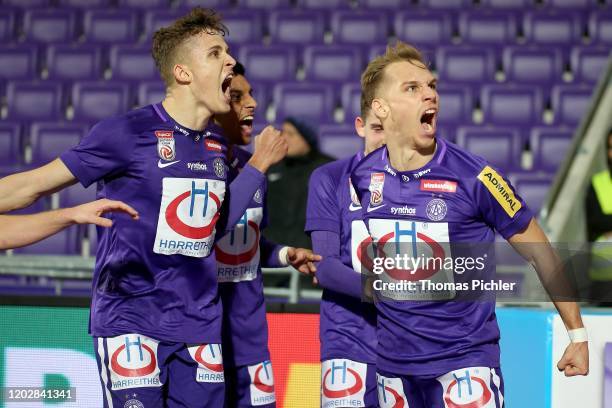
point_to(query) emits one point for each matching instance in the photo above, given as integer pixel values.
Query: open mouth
(246, 124)
(428, 120)
(225, 86)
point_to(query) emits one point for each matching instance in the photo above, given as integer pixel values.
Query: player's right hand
(575, 360)
(270, 148)
(92, 212)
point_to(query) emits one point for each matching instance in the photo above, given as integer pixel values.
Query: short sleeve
(106, 150)
(322, 210)
(499, 205)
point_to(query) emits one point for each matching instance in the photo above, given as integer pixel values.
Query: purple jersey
(348, 325)
(238, 253)
(456, 198)
(154, 276)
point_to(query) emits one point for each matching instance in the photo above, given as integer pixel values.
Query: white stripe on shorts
(497, 382)
(103, 372)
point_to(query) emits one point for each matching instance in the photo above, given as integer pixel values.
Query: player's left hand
(303, 260)
(575, 360)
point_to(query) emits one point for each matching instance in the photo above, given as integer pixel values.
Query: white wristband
(578, 335)
(282, 256)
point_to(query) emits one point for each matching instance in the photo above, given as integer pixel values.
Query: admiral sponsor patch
(440, 186)
(377, 183)
(213, 146)
(165, 144)
(500, 190)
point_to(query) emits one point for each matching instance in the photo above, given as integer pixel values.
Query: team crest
(165, 144)
(219, 167)
(436, 209)
(377, 182)
(258, 196)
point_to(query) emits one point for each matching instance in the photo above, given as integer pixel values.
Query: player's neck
(408, 157)
(186, 112)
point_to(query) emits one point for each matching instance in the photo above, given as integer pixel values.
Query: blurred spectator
(288, 184)
(599, 230)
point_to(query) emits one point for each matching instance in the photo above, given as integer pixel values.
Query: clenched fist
(270, 148)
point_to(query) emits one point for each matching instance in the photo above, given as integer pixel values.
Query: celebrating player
(421, 191)
(155, 313)
(240, 254)
(348, 325)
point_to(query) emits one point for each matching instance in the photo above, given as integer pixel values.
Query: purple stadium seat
(488, 27)
(245, 26)
(549, 146)
(588, 64)
(214, 4)
(313, 101)
(394, 5)
(18, 61)
(332, 63)
(533, 64)
(74, 62)
(500, 146)
(339, 141)
(446, 4)
(570, 103)
(110, 26)
(7, 25)
(532, 188)
(465, 65)
(507, 4)
(155, 19)
(29, 101)
(323, 4)
(49, 140)
(571, 4)
(27, 4)
(76, 288)
(94, 101)
(512, 105)
(85, 4)
(600, 27)
(132, 62)
(424, 29)
(376, 50)
(92, 234)
(62, 243)
(144, 4)
(552, 28)
(297, 27)
(351, 101)
(446, 132)
(264, 4)
(150, 92)
(456, 105)
(262, 95)
(269, 63)
(77, 194)
(50, 25)
(370, 27)
(10, 144)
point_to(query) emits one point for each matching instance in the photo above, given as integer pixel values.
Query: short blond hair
(373, 76)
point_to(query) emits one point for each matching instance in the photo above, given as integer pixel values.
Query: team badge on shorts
(132, 360)
(219, 167)
(377, 183)
(133, 403)
(390, 392)
(262, 384)
(468, 387)
(343, 383)
(165, 144)
(436, 209)
(210, 363)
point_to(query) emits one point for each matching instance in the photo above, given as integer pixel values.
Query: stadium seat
(339, 141)
(446, 4)
(600, 27)
(264, 4)
(525, 64)
(487, 27)
(308, 100)
(29, 101)
(49, 25)
(132, 62)
(532, 188)
(512, 105)
(7, 25)
(323, 4)
(49, 140)
(62, 243)
(85, 4)
(500, 146)
(465, 65)
(588, 64)
(150, 92)
(507, 4)
(570, 4)
(110, 26)
(10, 144)
(376, 50)
(549, 147)
(423, 29)
(456, 105)
(155, 19)
(27, 4)
(350, 96)
(371, 27)
(213, 4)
(19, 61)
(262, 94)
(297, 27)
(143, 4)
(74, 62)
(552, 28)
(269, 63)
(570, 103)
(77, 194)
(332, 63)
(244, 26)
(393, 5)
(94, 101)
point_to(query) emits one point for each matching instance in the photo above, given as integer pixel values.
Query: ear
(182, 74)
(380, 108)
(360, 126)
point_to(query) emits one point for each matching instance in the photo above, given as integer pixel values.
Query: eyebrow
(433, 81)
(216, 48)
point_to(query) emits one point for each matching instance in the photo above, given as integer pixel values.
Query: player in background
(425, 192)
(348, 325)
(240, 255)
(21, 230)
(155, 313)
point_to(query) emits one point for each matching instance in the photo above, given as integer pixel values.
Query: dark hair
(239, 69)
(167, 40)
